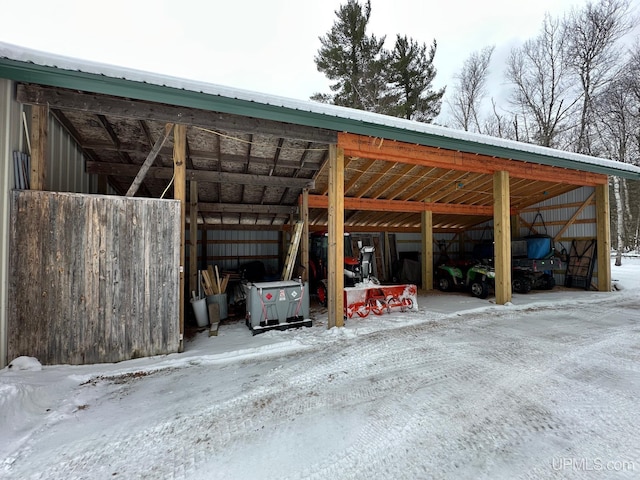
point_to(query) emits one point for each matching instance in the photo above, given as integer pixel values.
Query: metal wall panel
(11, 135)
(66, 163)
(238, 247)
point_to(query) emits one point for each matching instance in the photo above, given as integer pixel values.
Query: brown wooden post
(427, 249)
(304, 246)
(335, 267)
(603, 238)
(502, 236)
(39, 135)
(193, 236)
(180, 193)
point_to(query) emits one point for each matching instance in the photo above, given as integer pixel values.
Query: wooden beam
(335, 267)
(304, 246)
(193, 236)
(180, 193)
(603, 238)
(390, 150)
(126, 170)
(586, 203)
(39, 143)
(248, 208)
(65, 99)
(427, 249)
(502, 237)
(168, 128)
(368, 204)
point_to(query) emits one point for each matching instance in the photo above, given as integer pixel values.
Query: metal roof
(26, 65)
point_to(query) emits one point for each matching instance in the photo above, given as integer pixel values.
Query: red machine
(363, 293)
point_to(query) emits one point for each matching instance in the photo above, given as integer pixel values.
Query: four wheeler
(478, 278)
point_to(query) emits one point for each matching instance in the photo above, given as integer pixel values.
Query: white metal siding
(11, 135)
(65, 163)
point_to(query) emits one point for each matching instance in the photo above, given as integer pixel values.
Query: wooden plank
(193, 236)
(166, 173)
(372, 205)
(180, 194)
(218, 285)
(292, 254)
(573, 218)
(140, 110)
(335, 267)
(245, 208)
(100, 287)
(502, 237)
(603, 244)
(427, 250)
(304, 247)
(390, 150)
(39, 144)
(137, 181)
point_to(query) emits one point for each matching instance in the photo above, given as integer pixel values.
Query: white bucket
(200, 309)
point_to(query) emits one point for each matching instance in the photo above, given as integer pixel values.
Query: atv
(478, 278)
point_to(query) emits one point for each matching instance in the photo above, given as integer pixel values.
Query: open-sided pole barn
(233, 161)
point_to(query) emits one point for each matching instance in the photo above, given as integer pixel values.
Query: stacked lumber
(211, 283)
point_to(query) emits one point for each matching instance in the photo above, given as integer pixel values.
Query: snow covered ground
(546, 387)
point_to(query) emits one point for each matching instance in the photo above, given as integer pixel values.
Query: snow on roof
(22, 54)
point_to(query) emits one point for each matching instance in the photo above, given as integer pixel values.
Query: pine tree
(411, 73)
(352, 59)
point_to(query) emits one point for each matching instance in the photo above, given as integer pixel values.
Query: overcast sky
(266, 46)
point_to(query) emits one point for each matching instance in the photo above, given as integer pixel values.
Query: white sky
(266, 46)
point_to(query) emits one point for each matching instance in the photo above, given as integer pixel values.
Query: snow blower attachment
(369, 296)
(277, 306)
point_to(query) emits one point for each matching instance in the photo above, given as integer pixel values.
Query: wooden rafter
(321, 201)
(390, 150)
(121, 107)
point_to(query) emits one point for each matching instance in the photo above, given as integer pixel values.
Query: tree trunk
(619, 220)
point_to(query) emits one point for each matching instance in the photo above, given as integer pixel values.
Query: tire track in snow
(438, 406)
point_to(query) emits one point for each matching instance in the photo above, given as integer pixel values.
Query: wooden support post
(180, 193)
(103, 183)
(335, 267)
(388, 274)
(204, 246)
(304, 247)
(427, 249)
(603, 238)
(39, 135)
(193, 236)
(502, 236)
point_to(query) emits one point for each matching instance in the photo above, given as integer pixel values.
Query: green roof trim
(141, 90)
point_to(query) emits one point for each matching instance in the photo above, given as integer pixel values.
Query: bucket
(200, 309)
(221, 300)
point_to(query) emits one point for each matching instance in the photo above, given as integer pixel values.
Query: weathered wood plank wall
(93, 278)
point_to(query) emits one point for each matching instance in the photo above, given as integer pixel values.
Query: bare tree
(616, 126)
(594, 54)
(469, 90)
(542, 87)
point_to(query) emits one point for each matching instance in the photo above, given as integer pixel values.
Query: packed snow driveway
(500, 394)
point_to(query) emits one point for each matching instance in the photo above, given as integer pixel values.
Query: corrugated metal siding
(236, 245)
(562, 215)
(11, 135)
(66, 163)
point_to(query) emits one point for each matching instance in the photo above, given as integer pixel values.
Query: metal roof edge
(308, 113)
